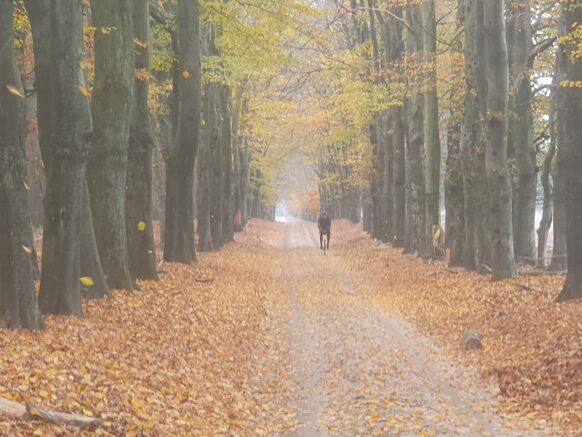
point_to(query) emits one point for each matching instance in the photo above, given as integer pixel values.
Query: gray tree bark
(18, 304)
(112, 107)
(65, 128)
(472, 151)
(226, 129)
(205, 170)
(521, 128)
(571, 161)
(559, 249)
(398, 127)
(138, 204)
(417, 239)
(496, 122)
(179, 232)
(432, 143)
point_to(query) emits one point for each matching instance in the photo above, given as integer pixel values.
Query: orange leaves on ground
(177, 358)
(532, 346)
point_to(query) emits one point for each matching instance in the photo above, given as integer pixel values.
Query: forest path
(359, 371)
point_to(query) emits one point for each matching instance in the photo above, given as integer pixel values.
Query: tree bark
(417, 239)
(397, 125)
(472, 152)
(237, 159)
(65, 128)
(205, 170)
(432, 143)
(559, 250)
(571, 161)
(112, 112)
(521, 127)
(227, 203)
(454, 196)
(90, 261)
(138, 205)
(496, 165)
(547, 183)
(179, 235)
(18, 304)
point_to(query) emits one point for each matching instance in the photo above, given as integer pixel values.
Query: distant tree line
(498, 82)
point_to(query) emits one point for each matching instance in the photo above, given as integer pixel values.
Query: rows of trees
(142, 111)
(473, 99)
(197, 114)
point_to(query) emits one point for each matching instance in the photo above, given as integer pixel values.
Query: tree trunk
(454, 196)
(138, 206)
(227, 203)
(237, 139)
(432, 143)
(179, 235)
(397, 126)
(205, 169)
(521, 126)
(416, 234)
(472, 153)
(547, 184)
(90, 261)
(245, 181)
(497, 168)
(65, 128)
(559, 250)
(572, 157)
(546, 220)
(18, 305)
(112, 107)
(455, 223)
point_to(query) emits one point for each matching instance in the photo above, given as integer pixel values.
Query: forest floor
(270, 337)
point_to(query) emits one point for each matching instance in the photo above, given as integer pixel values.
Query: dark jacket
(324, 224)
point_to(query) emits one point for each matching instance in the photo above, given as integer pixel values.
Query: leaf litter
(184, 357)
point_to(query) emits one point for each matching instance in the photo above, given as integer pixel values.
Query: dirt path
(362, 372)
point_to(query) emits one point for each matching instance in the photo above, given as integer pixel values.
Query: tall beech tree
(112, 107)
(454, 196)
(520, 135)
(138, 204)
(432, 143)
(179, 222)
(559, 250)
(227, 153)
(65, 127)
(496, 87)
(416, 229)
(471, 149)
(206, 168)
(397, 127)
(571, 161)
(18, 305)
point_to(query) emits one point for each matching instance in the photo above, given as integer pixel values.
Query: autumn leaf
(141, 226)
(87, 281)
(85, 91)
(185, 74)
(13, 90)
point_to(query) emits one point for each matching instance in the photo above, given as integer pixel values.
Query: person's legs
(321, 240)
(328, 238)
